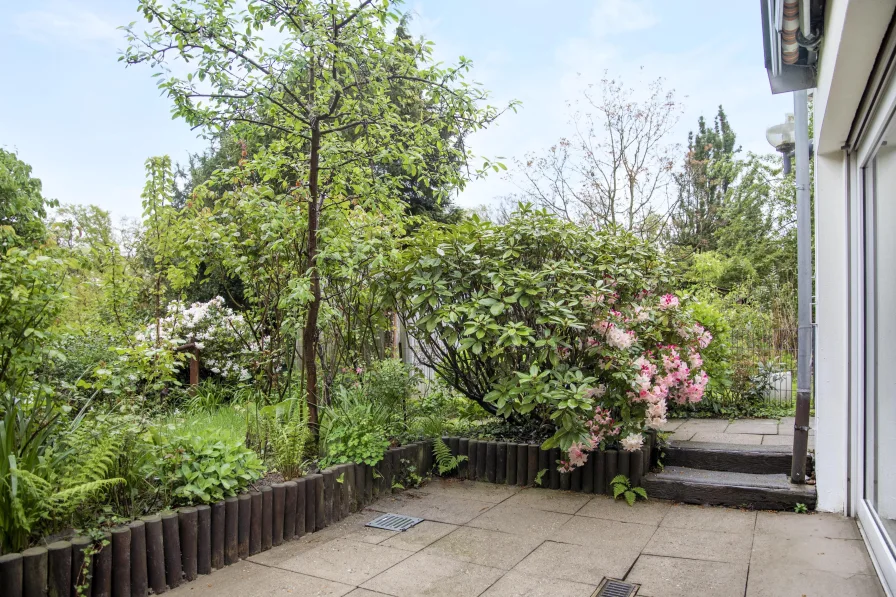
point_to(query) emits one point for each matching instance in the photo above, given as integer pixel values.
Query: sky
(86, 124)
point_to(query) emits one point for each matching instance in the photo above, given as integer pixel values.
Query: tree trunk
(309, 335)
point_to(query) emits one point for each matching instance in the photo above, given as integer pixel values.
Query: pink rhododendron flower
(596, 392)
(619, 338)
(602, 326)
(632, 442)
(577, 455)
(668, 301)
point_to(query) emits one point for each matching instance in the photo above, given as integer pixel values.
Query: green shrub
(203, 468)
(279, 432)
(356, 429)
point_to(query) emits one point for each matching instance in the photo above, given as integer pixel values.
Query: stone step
(721, 488)
(733, 458)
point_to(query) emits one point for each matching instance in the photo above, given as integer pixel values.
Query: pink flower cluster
(668, 301)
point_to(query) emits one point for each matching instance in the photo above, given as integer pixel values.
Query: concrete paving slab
(784, 582)
(678, 577)
(754, 426)
(468, 490)
(682, 435)
(784, 440)
(419, 536)
(517, 520)
(785, 426)
(365, 593)
(700, 545)
(518, 584)
(789, 524)
(842, 557)
(709, 518)
(673, 424)
(704, 425)
(440, 508)
(434, 576)
(352, 525)
(578, 564)
(650, 512)
(484, 547)
(727, 438)
(605, 534)
(344, 561)
(246, 579)
(550, 500)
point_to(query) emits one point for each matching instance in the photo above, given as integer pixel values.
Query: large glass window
(879, 180)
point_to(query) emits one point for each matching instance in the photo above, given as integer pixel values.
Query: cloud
(64, 22)
(621, 16)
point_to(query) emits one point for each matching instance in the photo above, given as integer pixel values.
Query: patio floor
(501, 541)
(742, 431)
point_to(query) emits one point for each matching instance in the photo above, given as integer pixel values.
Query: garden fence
(764, 365)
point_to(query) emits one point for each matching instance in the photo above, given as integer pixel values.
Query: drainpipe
(804, 288)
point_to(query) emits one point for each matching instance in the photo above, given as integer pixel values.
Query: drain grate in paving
(393, 522)
(615, 588)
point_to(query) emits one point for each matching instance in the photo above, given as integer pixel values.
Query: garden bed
(163, 551)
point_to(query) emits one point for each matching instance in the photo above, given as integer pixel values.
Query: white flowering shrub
(226, 342)
(540, 318)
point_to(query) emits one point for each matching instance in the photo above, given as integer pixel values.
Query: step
(721, 488)
(729, 457)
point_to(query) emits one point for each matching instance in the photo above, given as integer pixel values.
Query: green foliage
(203, 468)
(446, 461)
(279, 432)
(22, 206)
(356, 429)
(622, 486)
(406, 477)
(801, 509)
(48, 471)
(540, 476)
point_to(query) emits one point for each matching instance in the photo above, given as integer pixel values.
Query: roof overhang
(787, 77)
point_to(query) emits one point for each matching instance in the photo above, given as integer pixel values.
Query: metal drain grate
(394, 522)
(615, 588)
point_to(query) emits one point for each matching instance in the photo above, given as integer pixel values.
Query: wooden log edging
(513, 463)
(160, 552)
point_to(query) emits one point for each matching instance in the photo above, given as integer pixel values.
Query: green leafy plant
(801, 509)
(203, 469)
(355, 429)
(540, 476)
(622, 486)
(406, 476)
(279, 432)
(445, 460)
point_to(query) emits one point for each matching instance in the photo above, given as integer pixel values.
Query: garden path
(502, 541)
(770, 432)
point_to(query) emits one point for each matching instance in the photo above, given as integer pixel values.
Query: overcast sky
(86, 123)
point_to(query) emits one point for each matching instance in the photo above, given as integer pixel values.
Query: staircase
(729, 475)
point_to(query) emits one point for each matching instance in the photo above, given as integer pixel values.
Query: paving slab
(551, 500)
(419, 536)
(819, 524)
(353, 526)
(784, 582)
(434, 576)
(682, 435)
(704, 425)
(246, 579)
(484, 547)
(469, 490)
(605, 534)
(672, 424)
(578, 563)
(519, 584)
(345, 561)
(754, 426)
(518, 520)
(842, 557)
(727, 438)
(650, 512)
(785, 426)
(784, 440)
(365, 593)
(710, 518)
(440, 508)
(678, 577)
(700, 545)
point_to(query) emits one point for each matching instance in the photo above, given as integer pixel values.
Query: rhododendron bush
(541, 318)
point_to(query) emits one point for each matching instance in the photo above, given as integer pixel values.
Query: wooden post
(193, 349)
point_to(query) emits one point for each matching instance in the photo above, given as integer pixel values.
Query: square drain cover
(393, 522)
(615, 588)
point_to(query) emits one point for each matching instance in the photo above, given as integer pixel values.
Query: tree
(710, 168)
(615, 169)
(22, 205)
(329, 90)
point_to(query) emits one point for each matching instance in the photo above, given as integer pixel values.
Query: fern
(446, 461)
(622, 486)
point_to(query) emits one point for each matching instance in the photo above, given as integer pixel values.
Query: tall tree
(337, 70)
(615, 169)
(710, 168)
